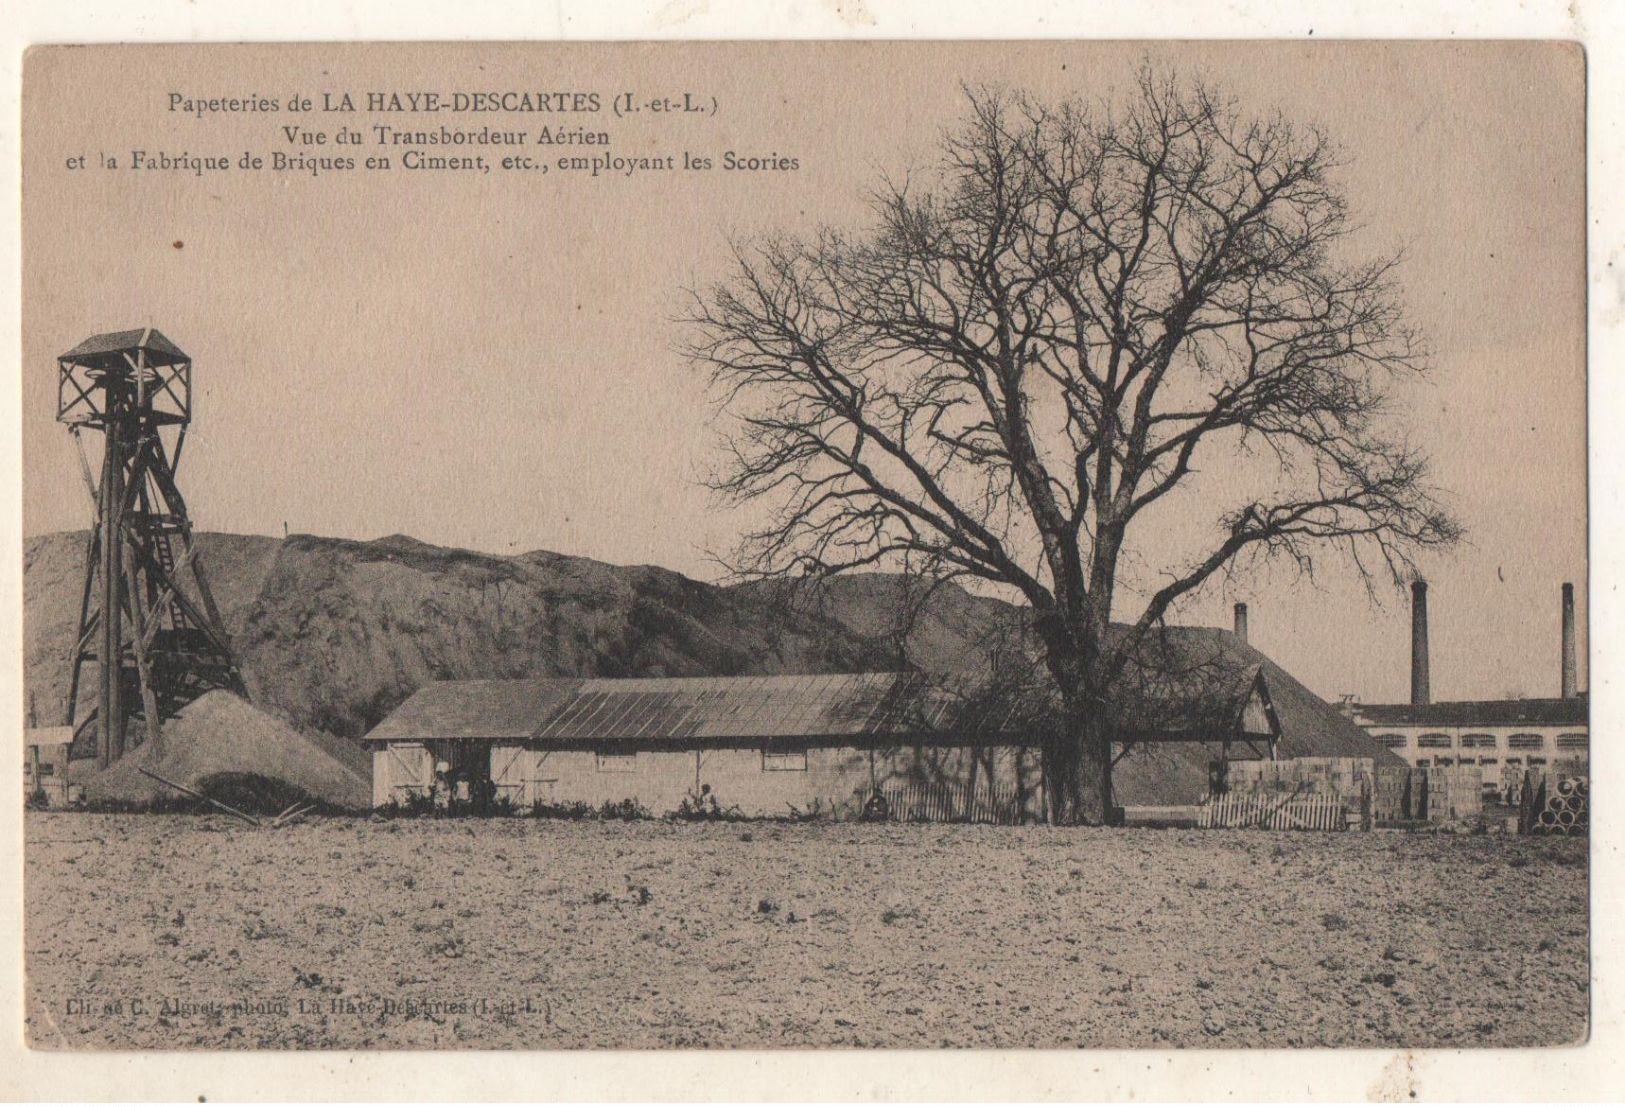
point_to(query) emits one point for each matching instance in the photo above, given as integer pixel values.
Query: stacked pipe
(1566, 810)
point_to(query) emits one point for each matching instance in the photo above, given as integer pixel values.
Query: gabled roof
(1310, 727)
(667, 708)
(1206, 700)
(1175, 690)
(473, 709)
(837, 705)
(1537, 712)
(1167, 694)
(105, 350)
(955, 631)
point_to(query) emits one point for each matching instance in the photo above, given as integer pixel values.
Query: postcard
(897, 545)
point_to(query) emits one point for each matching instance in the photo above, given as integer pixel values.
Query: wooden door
(411, 770)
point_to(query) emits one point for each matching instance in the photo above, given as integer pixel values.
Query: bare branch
(1036, 342)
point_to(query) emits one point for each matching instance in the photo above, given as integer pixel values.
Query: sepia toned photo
(805, 545)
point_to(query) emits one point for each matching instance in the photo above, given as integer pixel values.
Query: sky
(487, 360)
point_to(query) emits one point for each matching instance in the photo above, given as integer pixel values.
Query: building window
(1537, 761)
(1514, 762)
(783, 760)
(1443, 762)
(1393, 741)
(1573, 742)
(1423, 762)
(1526, 742)
(1478, 741)
(613, 761)
(1433, 742)
(1488, 761)
(47, 769)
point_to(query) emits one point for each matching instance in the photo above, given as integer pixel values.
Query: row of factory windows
(780, 761)
(1511, 762)
(1483, 741)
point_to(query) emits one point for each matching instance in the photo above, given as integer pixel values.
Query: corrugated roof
(473, 709)
(1205, 698)
(109, 348)
(666, 708)
(1536, 712)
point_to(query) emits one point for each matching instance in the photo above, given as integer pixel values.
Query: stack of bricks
(1395, 797)
(1508, 779)
(1390, 794)
(1402, 794)
(1454, 792)
(1338, 776)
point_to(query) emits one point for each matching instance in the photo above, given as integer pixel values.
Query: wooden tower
(147, 621)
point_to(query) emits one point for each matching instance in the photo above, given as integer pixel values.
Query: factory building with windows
(1496, 735)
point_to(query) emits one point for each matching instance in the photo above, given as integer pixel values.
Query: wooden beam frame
(175, 646)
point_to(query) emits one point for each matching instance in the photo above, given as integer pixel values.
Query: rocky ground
(176, 931)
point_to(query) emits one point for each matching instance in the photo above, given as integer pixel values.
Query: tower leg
(139, 631)
(110, 742)
(93, 556)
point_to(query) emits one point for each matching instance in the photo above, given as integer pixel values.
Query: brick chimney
(1571, 684)
(1241, 621)
(1419, 644)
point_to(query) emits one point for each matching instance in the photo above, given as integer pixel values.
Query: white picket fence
(1263, 811)
(943, 803)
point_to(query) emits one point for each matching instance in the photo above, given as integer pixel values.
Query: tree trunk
(1078, 758)
(1078, 768)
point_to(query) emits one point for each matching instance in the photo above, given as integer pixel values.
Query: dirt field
(173, 932)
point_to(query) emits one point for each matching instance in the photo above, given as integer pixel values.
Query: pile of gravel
(221, 734)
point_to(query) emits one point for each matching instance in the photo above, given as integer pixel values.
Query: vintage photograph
(1018, 545)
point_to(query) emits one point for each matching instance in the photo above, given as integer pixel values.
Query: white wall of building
(1519, 745)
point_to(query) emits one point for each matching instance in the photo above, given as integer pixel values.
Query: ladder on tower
(165, 554)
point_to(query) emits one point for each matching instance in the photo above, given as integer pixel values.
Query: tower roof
(108, 350)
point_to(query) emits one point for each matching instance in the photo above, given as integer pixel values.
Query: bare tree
(1027, 351)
